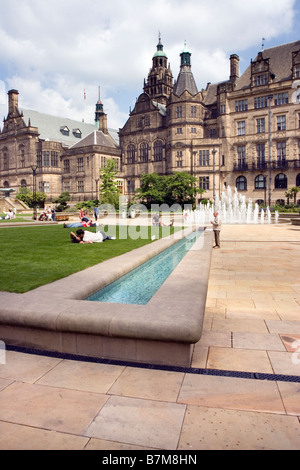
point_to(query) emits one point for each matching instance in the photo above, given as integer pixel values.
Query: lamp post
(270, 98)
(214, 174)
(34, 170)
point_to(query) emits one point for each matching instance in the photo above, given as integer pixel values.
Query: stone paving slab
(54, 403)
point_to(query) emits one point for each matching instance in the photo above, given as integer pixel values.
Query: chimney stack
(234, 68)
(13, 102)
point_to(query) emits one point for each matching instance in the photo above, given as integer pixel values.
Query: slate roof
(211, 94)
(280, 64)
(96, 138)
(185, 82)
(53, 128)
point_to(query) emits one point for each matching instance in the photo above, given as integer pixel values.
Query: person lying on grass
(89, 237)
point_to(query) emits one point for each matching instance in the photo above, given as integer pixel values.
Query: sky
(58, 53)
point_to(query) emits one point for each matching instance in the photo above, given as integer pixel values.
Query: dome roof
(160, 54)
(160, 50)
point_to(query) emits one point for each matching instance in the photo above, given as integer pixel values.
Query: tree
(288, 195)
(294, 191)
(27, 197)
(152, 190)
(109, 192)
(62, 201)
(182, 189)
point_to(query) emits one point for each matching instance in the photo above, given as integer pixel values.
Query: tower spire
(100, 116)
(159, 85)
(185, 81)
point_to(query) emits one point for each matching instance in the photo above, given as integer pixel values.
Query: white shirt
(217, 223)
(93, 237)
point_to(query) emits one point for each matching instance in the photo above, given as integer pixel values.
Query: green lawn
(35, 256)
(17, 219)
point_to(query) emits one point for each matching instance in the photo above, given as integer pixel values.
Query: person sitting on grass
(9, 215)
(157, 222)
(89, 237)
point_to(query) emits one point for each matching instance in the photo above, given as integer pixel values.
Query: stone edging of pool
(55, 317)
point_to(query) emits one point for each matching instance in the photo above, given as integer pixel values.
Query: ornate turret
(100, 116)
(185, 81)
(159, 84)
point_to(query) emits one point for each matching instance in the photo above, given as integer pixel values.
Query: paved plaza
(250, 348)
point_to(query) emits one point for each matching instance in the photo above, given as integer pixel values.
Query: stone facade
(81, 165)
(65, 155)
(244, 132)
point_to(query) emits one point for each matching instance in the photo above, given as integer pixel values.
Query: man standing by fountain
(217, 223)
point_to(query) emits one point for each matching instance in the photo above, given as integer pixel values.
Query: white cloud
(52, 51)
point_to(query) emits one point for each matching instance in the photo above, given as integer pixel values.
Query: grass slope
(35, 256)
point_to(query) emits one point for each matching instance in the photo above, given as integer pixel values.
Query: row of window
(193, 130)
(262, 102)
(261, 152)
(81, 186)
(144, 152)
(81, 164)
(47, 159)
(279, 99)
(204, 156)
(44, 159)
(261, 125)
(193, 112)
(260, 182)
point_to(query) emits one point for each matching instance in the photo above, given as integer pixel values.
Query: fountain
(233, 209)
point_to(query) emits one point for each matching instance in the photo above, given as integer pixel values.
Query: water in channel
(138, 286)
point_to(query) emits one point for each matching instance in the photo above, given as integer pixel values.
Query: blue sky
(53, 51)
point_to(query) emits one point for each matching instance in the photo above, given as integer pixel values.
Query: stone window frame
(281, 181)
(242, 183)
(260, 182)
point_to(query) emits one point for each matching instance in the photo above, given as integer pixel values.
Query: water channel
(139, 286)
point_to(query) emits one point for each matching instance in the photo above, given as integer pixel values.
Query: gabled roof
(96, 138)
(59, 129)
(280, 64)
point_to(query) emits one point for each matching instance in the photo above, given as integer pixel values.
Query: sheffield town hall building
(243, 132)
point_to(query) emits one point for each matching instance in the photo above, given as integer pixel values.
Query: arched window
(6, 184)
(281, 181)
(260, 182)
(23, 184)
(260, 202)
(131, 154)
(241, 183)
(298, 180)
(158, 151)
(144, 152)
